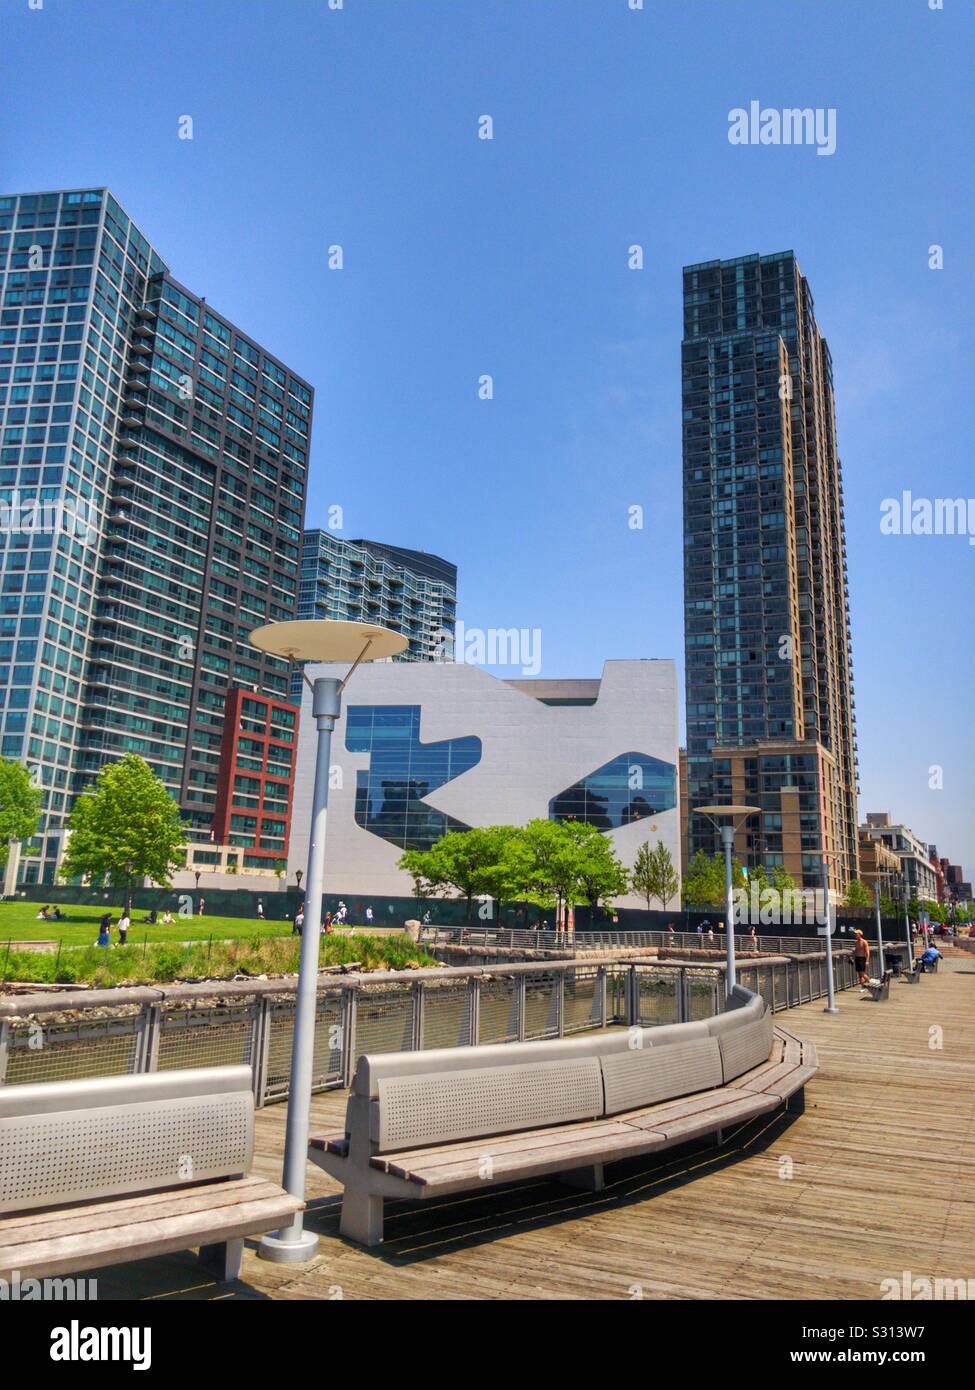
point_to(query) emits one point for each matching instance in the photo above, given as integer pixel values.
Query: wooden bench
(427, 1124)
(119, 1168)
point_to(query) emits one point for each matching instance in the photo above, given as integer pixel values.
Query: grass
(165, 961)
(79, 926)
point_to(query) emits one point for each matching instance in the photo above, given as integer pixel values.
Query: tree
(126, 828)
(857, 894)
(461, 859)
(20, 805)
(704, 884)
(654, 875)
(889, 907)
(598, 873)
(420, 865)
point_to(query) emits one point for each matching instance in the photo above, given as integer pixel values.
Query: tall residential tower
(770, 716)
(171, 453)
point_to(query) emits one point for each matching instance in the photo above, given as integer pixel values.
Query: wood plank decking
(882, 1180)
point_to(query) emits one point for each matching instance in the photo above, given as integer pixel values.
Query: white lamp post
(316, 640)
(727, 819)
(830, 1008)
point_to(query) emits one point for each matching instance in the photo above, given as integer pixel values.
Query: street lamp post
(907, 932)
(317, 641)
(880, 932)
(830, 993)
(726, 819)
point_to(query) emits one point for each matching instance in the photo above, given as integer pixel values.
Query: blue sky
(358, 127)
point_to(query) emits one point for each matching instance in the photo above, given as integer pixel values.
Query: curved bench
(426, 1124)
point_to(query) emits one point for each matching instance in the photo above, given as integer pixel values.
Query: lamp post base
(831, 1009)
(281, 1249)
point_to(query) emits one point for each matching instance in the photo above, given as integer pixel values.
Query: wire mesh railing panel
(541, 1006)
(384, 1021)
(329, 1045)
(446, 1016)
(208, 1036)
(498, 1011)
(72, 1051)
(617, 986)
(658, 996)
(582, 1001)
(702, 994)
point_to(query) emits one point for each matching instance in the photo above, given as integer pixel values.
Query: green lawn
(193, 948)
(79, 926)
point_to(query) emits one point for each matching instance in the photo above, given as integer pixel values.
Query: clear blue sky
(508, 257)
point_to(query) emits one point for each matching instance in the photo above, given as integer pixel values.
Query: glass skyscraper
(770, 718)
(169, 453)
(366, 581)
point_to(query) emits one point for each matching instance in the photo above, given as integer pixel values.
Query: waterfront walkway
(876, 1178)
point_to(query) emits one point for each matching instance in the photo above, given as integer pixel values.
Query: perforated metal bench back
(77, 1142)
(434, 1108)
(747, 1047)
(646, 1076)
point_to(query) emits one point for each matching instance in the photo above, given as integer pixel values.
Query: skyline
(585, 353)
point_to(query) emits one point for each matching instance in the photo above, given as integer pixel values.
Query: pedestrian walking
(260, 910)
(199, 908)
(299, 922)
(861, 957)
(369, 916)
(124, 922)
(105, 931)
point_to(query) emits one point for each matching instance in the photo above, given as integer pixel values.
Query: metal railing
(534, 938)
(85, 1033)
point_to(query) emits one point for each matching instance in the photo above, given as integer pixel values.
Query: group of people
(862, 952)
(50, 914)
(331, 920)
(106, 923)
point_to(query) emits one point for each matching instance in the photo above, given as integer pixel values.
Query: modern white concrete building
(425, 748)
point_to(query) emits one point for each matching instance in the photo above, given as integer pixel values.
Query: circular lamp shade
(727, 810)
(322, 639)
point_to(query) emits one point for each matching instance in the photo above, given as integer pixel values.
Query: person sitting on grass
(56, 915)
(167, 920)
(42, 915)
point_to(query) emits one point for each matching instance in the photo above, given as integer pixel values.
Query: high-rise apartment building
(170, 452)
(770, 715)
(366, 581)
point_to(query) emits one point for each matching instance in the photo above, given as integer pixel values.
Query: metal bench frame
(709, 1075)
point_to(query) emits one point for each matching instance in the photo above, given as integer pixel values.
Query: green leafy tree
(553, 880)
(126, 828)
(422, 869)
(857, 894)
(20, 805)
(460, 860)
(889, 907)
(704, 884)
(507, 867)
(653, 874)
(599, 874)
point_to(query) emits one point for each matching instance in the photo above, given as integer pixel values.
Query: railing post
(261, 1043)
(560, 1003)
(521, 991)
(350, 1010)
(4, 1049)
(147, 1050)
(632, 998)
(474, 1009)
(600, 999)
(417, 1030)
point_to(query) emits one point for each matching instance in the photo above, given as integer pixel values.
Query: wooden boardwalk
(877, 1177)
